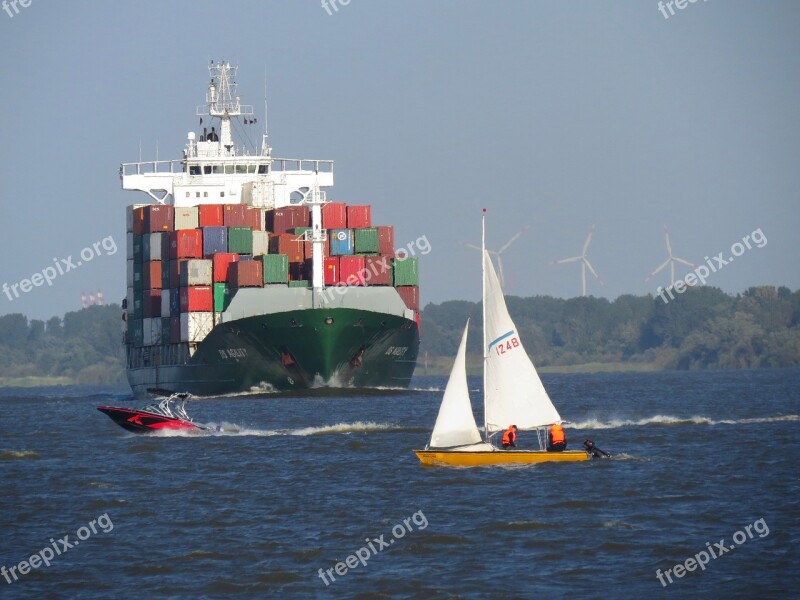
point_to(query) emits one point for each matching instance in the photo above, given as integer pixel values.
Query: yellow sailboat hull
(500, 457)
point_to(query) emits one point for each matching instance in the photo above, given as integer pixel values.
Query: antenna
(671, 260)
(584, 262)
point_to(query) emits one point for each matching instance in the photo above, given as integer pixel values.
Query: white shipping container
(155, 330)
(260, 243)
(165, 303)
(197, 271)
(147, 331)
(195, 326)
(129, 279)
(187, 218)
(152, 248)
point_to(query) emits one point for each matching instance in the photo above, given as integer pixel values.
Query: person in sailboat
(510, 437)
(557, 439)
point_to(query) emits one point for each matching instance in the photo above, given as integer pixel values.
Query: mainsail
(455, 425)
(514, 394)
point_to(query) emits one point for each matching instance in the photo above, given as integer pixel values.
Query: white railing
(276, 164)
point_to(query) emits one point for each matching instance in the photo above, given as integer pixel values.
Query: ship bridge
(214, 170)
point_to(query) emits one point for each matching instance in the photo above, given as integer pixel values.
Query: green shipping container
(367, 240)
(222, 297)
(138, 250)
(406, 271)
(240, 240)
(300, 283)
(135, 332)
(276, 268)
(138, 278)
(165, 330)
(300, 230)
(165, 275)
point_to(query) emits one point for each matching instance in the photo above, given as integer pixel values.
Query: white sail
(455, 425)
(514, 394)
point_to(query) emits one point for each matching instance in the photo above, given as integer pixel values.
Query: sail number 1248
(504, 347)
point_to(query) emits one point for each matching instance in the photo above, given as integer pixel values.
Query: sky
(554, 116)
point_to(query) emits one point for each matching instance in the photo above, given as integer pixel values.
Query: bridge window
(222, 194)
(241, 168)
(228, 169)
(217, 169)
(262, 169)
(207, 169)
(251, 168)
(194, 170)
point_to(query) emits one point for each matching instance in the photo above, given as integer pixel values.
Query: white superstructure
(214, 170)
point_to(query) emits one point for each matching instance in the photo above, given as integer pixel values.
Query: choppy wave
(343, 428)
(18, 455)
(224, 428)
(670, 420)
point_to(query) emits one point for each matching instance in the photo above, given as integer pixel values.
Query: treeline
(83, 347)
(702, 328)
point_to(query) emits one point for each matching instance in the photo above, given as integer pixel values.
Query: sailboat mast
(483, 308)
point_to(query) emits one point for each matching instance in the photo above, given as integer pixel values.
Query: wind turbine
(671, 260)
(498, 253)
(584, 262)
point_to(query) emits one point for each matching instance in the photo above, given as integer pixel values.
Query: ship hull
(292, 350)
(454, 458)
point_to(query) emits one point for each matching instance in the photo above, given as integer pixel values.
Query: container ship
(243, 276)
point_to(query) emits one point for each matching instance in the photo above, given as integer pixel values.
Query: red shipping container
(252, 217)
(159, 217)
(285, 219)
(186, 243)
(386, 240)
(211, 215)
(175, 330)
(151, 275)
(235, 215)
(410, 295)
(289, 244)
(199, 298)
(151, 303)
(222, 262)
(246, 273)
(334, 215)
(378, 270)
(359, 216)
(331, 270)
(175, 267)
(138, 220)
(308, 248)
(351, 270)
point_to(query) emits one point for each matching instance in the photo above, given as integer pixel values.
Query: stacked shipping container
(184, 264)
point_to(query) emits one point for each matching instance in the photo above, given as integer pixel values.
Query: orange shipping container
(410, 295)
(222, 262)
(331, 270)
(151, 275)
(236, 215)
(288, 244)
(198, 298)
(211, 215)
(386, 240)
(308, 248)
(359, 216)
(138, 220)
(186, 243)
(334, 215)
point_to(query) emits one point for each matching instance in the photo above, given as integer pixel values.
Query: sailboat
(513, 394)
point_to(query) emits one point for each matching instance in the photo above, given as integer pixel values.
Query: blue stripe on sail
(500, 339)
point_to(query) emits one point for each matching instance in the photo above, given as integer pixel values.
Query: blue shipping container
(341, 242)
(215, 240)
(174, 302)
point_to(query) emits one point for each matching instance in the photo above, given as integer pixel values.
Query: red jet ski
(168, 414)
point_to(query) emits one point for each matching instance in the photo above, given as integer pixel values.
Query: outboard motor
(594, 451)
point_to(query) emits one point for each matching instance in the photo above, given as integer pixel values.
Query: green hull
(293, 350)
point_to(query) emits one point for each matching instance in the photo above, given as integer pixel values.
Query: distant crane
(671, 260)
(584, 262)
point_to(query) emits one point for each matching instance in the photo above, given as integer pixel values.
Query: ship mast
(223, 103)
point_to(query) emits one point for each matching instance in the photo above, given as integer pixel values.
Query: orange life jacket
(557, 435)
(509, 436)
